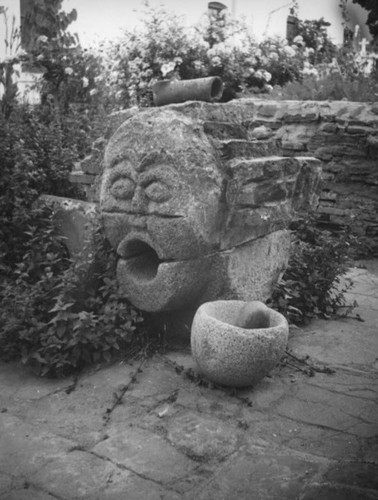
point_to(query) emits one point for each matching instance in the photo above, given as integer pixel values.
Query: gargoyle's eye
(123, 188)
(158, 191)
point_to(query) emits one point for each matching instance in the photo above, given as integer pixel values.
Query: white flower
(42, 39)
(274, 56)
(113, 77)
(298, 40)
(309, 70)
(308, 51)
(266, 75)
(21, 53)
(216, 61)
(167, 68)
(68, 71)
(85, 81)
(93, 92)
(289, 51)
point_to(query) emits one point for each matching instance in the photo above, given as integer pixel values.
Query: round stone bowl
(237, 343)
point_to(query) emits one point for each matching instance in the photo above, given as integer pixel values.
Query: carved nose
(139, 201)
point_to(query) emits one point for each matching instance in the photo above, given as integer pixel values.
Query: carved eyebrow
(118, 159)
(127, 155)
(120, 171)
(155, 157)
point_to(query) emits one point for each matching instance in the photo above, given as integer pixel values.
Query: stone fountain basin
(237, 343)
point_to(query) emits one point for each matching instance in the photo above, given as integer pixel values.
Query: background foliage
(313, 283)
(372, 20)
(61, 315)
(56, 314)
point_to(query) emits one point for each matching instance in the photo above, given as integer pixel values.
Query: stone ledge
(79, 177)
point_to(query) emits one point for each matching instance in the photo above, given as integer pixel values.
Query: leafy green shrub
(34, 159)
(56, 314)
(73, 76)
(60, 315)
(311, 285)
(52, 315)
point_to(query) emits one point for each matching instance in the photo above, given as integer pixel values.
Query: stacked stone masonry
(343, 135)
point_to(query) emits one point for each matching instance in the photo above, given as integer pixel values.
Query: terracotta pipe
(208, 89)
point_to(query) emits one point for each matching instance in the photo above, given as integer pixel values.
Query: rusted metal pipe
(208, 89)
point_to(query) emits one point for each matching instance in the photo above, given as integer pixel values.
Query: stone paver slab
(299, 436)
(28, 493)
(80, 475)
(364, 281)
(343, 342)
(356, 474)
(144, 453)
(19, 383)
(25, 448)
(76, 416)
(156, 378)
(321, 407)
(203, 437)
(262, 474)
(337, 492)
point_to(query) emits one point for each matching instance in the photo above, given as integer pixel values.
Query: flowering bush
(313, 36)
(231, 53)
(161, 47)
(348, 75)
(283, 61)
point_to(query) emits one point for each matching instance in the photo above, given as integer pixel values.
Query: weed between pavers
(199, 380)
(118, 395)
(304, 364)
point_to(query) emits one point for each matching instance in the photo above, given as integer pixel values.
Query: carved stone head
(170, 209)
(160, 198)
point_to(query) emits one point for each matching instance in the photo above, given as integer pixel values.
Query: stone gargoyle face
(190, 225)
(160, 200)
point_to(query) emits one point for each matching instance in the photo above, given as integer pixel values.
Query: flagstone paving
(148, 430)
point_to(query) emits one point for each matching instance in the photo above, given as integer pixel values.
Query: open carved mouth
(152, 283)
(143, 261)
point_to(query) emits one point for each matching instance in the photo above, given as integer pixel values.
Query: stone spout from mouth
(143, 260)
(153, 283)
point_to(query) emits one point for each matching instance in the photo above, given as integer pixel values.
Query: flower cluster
(121, 72)
(162, 47)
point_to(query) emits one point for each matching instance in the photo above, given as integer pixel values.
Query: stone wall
(343, 135)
